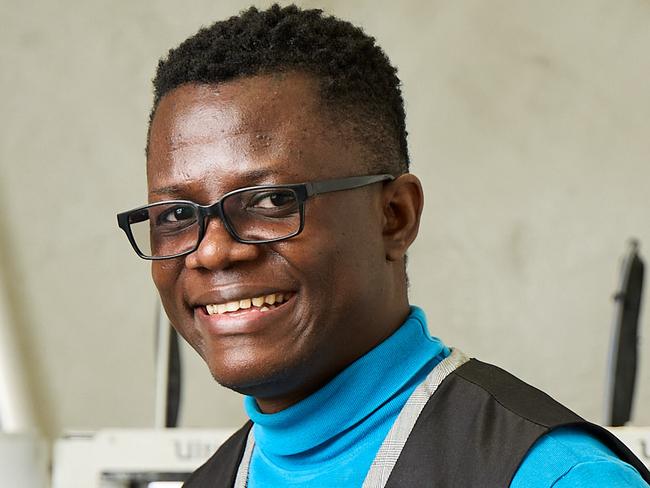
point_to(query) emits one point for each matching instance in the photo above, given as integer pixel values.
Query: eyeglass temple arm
(327, 186)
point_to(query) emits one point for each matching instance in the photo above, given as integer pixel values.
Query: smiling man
(280, 213)
(263, 314)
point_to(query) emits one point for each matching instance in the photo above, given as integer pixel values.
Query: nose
(218, 249)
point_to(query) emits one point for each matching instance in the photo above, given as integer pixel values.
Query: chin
(256, 379)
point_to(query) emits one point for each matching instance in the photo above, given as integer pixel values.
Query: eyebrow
(252, 178)
(173, 190)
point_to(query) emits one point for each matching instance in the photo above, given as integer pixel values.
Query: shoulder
(571, 457)
(484, 421)
(560, 444)
(221, 469)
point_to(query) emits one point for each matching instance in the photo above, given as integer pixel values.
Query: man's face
(208, 140)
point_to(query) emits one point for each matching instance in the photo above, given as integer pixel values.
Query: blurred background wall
(529, 127)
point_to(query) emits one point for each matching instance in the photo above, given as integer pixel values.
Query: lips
(262, 303)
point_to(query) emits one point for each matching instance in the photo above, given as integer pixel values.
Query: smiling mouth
(263, 303)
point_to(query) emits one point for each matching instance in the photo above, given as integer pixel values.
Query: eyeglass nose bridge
(215, 210)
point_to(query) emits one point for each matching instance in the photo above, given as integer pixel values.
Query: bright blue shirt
(331, 437)
(568, 458)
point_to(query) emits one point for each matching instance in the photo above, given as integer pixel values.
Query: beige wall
(529, 126)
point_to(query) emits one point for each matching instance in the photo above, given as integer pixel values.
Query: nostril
(217, 249)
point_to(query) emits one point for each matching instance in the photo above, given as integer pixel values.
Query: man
(281, 210)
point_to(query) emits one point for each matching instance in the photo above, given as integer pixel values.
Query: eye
(177, 214)
(273, 200)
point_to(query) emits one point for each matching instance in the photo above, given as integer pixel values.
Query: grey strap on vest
(393, 444)
(242, 472)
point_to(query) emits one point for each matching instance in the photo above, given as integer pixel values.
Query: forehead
(259, 129)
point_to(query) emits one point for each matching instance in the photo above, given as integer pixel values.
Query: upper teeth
(245, 303)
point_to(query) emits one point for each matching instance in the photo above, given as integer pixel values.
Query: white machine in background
(133, 458)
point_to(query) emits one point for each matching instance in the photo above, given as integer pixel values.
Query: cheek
(337, 256)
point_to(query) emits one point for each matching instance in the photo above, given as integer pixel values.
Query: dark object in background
(173, 381)
(168, 372)
(624, 346)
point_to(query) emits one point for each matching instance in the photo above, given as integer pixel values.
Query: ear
(402, 205)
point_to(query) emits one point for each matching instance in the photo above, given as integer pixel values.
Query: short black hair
(357, 81)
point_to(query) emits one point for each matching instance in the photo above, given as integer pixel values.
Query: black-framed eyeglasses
(251, 215)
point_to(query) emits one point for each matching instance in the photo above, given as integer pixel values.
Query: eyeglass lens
(167, 229)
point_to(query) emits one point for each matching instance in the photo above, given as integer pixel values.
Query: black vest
(473, 432)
